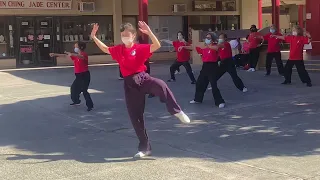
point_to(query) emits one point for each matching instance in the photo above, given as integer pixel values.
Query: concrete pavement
(271, 132)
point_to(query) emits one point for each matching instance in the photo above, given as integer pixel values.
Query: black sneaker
(75, 104)
(171, 80)
(309, 84)
(286, 82)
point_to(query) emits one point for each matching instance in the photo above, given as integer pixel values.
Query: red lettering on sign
(3, 4)
(16, 4)
(36, 4)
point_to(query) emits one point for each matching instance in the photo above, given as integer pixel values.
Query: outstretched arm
(167, 41)
(100, 44)
(144, 28)
(74, 54)
(57, 55)
(278, 37)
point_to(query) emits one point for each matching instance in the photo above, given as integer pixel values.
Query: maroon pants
(136, 87)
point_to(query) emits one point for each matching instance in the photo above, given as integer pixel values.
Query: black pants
(244, 59)
(81, 85)
(147, 63)
(208, 74)
(227, 65)
(303, 74)
(254, 57)
(277, 57)
(176, 65)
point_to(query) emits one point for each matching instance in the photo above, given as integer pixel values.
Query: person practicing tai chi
(183, 49)
(274, 47)
(81, 70)
(297, 41)
(208, 73)
(137, 83)
(227, 64)
(256, 40)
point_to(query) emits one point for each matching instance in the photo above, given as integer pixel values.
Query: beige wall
(249, 13)
(284, 20)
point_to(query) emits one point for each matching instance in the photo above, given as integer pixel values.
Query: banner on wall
(36, 4)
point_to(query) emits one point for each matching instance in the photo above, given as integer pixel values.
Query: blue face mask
(207, 41)
(272, 30)
(76, 50)
(220, 41)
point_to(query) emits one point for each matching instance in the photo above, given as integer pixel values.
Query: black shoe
(75, 104)
(193, 82)
(267, 74)
(171, 80)
(309, 84)
(89, 109)
(286, 82)
(151, 96)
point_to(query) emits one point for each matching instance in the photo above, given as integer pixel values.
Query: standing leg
(135, 101)
(173, 68)
(75, 91)
(221, 70)
(235, 78)
(189, 71)
(269, 59)
(254, 58)
(219, 101)
(303, 74)
(279, 62)
(85, 85)
(288, 72)
(201, 86)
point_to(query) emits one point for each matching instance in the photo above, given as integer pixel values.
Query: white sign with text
(36, 4)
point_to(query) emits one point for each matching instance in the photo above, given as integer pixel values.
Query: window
(166, 27)
(79, 29)
(6, 39)
(214, 5)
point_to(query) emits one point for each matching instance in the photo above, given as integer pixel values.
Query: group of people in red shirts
(216, 57)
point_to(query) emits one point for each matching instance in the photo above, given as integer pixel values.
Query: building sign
(214, 5)
(36, 4)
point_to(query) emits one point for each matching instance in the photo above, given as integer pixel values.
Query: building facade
(30, 29)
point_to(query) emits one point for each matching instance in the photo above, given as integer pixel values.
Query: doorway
(35, 41)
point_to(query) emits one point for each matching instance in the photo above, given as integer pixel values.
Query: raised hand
(51, 54)
(94, 30)
(144, 28)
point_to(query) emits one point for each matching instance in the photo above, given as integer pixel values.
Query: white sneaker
(209, 88)
(245, 90)
(251, 70)
(120, 78)
(194, 102)
(142, 154)
(183, 117)
(222, 105)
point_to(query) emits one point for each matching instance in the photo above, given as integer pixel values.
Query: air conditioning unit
(179, 8)
(86, 6)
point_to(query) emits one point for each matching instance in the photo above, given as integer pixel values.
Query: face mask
(272, 30)
(207, 41)
(76, 50)
(180, 38)
(220, 41)
(126, 40)
(294, 33)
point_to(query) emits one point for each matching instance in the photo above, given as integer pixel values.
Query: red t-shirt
(273, 43)
(80, 65)
(208, 54)
(254, 40)
(131, 60)
(246, 47)
(184, 54)
(226, 52)
(296, 46)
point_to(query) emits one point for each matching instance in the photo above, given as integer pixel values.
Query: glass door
(26, 41)
(44, 40)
